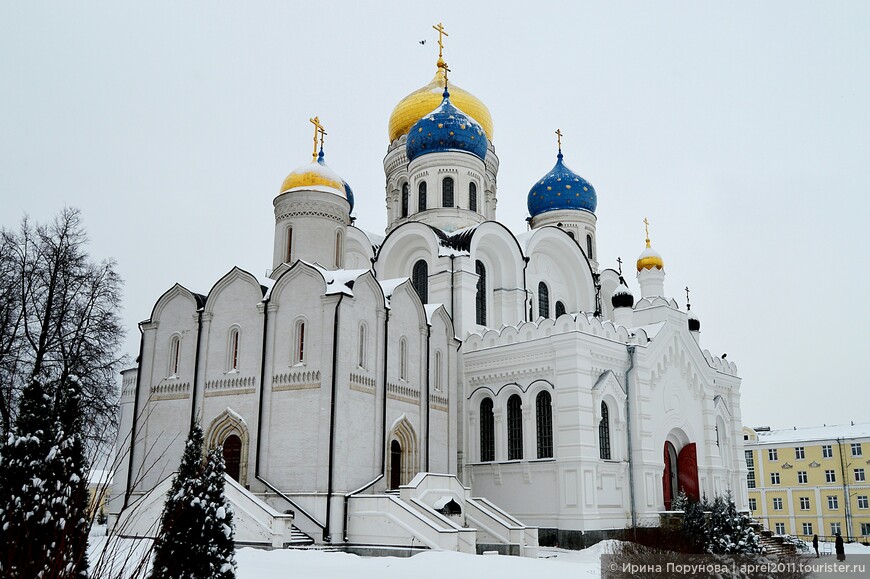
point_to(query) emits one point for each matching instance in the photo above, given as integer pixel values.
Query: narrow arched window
(604, 433)
(487, 431)
(543, 300)
(174, 355)
(560, 309)
(544, 422)
(299, 353)
(421, 196)
(447, 192)
(233, 350)
(438, 371)
(361, 354)
(338, 249)
(405, 200)
(515, 427)
(289, 244)
(589, 246)
(403, 359)
(472, 196)
(420, 280)
(480, 299)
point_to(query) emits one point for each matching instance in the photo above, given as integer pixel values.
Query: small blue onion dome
(349, 192)
(561, 188)
(622, 297)
(446, 129)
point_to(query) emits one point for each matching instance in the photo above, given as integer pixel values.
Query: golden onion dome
(649, 259)
(315, 176)
(424, 100)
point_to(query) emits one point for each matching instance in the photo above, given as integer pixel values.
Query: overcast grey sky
(740, 129)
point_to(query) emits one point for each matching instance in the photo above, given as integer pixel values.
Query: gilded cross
(559, 138)
(441, 33)
(317, 128)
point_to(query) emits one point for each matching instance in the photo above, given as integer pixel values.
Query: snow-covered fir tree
(71, 513)
(219, 539)
(43, 493)
(729, 531)
(196, 534)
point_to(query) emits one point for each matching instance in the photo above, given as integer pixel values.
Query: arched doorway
(233, 456)
(395, 464)
(680, 473)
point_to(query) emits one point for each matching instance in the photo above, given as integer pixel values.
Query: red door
(233, 456)
(687, 469)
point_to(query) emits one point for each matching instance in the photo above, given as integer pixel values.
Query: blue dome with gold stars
(562, 188)
(446, 129)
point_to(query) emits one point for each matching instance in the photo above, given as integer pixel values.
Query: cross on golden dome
(318, 128)
(441, 33)
(646, 227)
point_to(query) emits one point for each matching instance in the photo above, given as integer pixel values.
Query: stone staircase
(773, 544)
(298, 538)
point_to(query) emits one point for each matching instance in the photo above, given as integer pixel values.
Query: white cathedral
(451, 385)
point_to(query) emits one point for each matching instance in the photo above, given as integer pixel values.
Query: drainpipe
(527, 306)
(329, 483)
(257, 475)
(135, 414)
(452, 278)
(846, 510)
(195, 368)
(428, 389)
(631, 348)
(383, 434)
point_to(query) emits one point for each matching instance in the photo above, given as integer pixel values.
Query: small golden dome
(314, 176)
(424, 100)
(649, 259)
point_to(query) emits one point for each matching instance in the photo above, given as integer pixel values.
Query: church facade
(512, 365)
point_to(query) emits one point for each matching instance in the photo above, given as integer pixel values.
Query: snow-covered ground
(303, 564)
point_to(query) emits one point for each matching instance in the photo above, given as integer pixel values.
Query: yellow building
(808, 481)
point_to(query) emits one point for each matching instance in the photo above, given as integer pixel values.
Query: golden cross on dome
(559, 138)
(317, 128)
(646, 226)
(441, 33)
(323, 134)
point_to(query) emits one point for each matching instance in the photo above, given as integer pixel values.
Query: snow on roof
(430, 310)
(811, 433)
(337, 279)
(389, 286)
(375, 239)
(651, 329)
